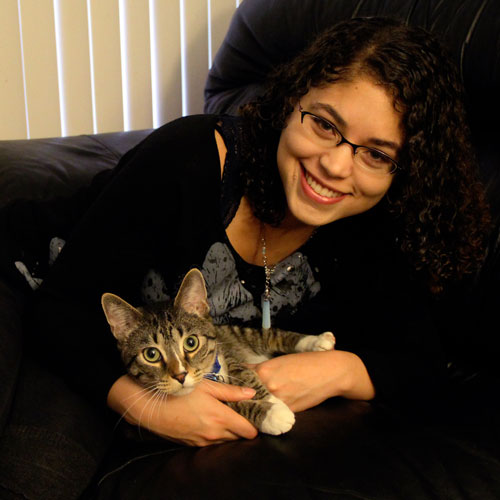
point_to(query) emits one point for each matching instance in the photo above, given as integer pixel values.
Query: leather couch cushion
(41, 169)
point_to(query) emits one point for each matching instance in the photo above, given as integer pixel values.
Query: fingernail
(247, 391)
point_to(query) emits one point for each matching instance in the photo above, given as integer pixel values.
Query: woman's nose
(338, 161)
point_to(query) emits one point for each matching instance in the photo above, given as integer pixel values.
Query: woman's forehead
(360, 107)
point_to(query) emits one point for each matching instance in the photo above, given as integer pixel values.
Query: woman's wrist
(352, 378)
(122, 396)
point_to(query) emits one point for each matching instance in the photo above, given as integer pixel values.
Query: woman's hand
(199, 418)
(306, 379)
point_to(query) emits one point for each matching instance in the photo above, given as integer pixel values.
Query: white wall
(71, 67)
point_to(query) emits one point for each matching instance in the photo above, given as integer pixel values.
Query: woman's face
(324, 184)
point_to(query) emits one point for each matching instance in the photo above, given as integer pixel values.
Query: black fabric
(54, 442)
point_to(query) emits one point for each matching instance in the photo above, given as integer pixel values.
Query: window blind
(71, 67)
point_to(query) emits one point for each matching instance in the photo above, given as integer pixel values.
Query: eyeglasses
(324, 133)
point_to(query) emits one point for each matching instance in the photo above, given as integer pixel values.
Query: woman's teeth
(321, 190)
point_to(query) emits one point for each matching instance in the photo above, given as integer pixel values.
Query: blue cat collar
(214, 373)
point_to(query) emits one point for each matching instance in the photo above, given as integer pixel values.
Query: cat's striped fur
(169, 348)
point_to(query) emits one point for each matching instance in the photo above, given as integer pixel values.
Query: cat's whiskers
(144, 389)
(158, 396)
(145, 392)
(155, 401)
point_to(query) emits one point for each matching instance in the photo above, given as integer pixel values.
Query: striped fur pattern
(170, 348)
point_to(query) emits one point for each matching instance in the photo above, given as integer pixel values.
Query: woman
(343, 195)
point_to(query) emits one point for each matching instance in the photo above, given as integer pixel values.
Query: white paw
(279, 419)
(323, 342)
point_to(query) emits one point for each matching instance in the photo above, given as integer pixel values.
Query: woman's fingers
(197, 419)
(227, 392)
(237, 426)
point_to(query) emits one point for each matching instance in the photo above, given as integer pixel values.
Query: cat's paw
(323, 342)
(279, 419)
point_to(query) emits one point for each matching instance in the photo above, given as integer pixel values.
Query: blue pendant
(266, 312)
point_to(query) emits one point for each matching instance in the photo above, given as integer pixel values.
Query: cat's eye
(151, 354)
(191, 343)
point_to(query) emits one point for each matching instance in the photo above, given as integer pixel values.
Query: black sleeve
(396, 335)
(123, 234)
(376, 308)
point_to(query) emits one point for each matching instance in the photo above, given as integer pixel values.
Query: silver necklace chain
(268, 270)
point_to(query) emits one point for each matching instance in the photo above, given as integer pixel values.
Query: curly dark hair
(436, 199)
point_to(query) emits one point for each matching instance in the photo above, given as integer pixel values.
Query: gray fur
(169, 332)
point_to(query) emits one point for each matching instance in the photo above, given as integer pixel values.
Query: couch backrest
(264, 33)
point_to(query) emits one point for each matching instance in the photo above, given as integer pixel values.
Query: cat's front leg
(266, 412)
(279, 418)
(323, 342)
(270, 415)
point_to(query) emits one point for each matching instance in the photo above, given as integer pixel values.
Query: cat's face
(170, 351)
(169, 348)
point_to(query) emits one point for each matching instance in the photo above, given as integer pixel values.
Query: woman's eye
(378, 157)
(191, 343)
(151, 354)
(324, 125)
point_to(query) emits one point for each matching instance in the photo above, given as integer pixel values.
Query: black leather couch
(444, 447)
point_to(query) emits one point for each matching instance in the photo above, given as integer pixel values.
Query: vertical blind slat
(136, 39)
(12, 105)
(40, 67)
(74, 67)
(196, 53)
(105, 33)
(166, 38)
(221, 12)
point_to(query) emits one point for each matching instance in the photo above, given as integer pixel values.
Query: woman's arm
(306, 379)
(197, 419)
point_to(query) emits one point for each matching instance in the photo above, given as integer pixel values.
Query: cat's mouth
(171, 386)
(183, 391)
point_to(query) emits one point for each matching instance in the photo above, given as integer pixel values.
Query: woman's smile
(319, 192)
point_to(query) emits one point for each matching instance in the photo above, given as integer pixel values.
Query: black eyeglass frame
(343, 140)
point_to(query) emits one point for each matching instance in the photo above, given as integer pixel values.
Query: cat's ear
(192, 295)
(122, 317)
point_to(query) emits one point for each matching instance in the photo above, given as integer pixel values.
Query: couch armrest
(41, 169)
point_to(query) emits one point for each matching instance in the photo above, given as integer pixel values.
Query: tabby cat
(169, 348)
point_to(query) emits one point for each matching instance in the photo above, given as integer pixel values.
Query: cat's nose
(180, 376)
